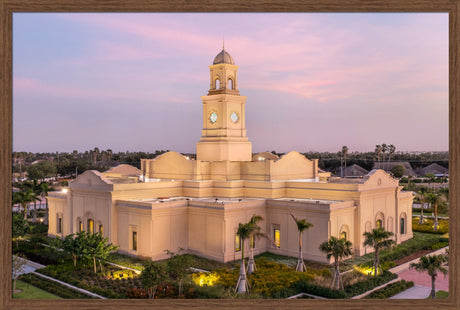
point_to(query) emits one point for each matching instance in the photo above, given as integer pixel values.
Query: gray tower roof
(223, 58)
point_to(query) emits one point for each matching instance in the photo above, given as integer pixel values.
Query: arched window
(101, 230)
(237, 243)
(344, 232)
(217, 84)
(230, 84)
(80, 225)
(402, 224)
(59, 223)
(379, 220)
(90, 227)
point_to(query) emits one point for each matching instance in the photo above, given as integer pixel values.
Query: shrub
(372, 281)
(52, 287)
(390, 290)
(304, 286)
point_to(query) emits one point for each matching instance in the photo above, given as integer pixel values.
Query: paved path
(422, 281)
(415, 292)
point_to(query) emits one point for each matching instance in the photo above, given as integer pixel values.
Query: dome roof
(223, 58)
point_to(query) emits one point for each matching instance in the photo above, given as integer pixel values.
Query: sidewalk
(415, 292)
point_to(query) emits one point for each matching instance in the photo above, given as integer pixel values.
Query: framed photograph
(226, 130)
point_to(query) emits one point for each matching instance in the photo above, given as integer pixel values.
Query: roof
(124, 169)
(388, 166)
(355, 171)
(433, 168)
(223, 58)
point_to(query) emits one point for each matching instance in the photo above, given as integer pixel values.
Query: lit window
(343, 235)
(277, 234)
(403, 225)
(253, 242)
(134, 241)
(101, 230)
(378, 223)
(80, 226)
(237, 243)
(90, 226)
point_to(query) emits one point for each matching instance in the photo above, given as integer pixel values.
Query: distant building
(388, 166)
(176, 202)
(354, 171)
(434, 168)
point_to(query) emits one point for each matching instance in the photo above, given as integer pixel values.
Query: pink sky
(313, 81)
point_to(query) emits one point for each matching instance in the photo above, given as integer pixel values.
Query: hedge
(367, 285)
(304, 286)
(390, 290)
(52, 287)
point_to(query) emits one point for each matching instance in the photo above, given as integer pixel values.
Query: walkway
(422, 281)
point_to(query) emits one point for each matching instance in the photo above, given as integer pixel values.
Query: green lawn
(442, 294)
(32, 292)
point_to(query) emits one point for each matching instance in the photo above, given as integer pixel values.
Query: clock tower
(224, 131)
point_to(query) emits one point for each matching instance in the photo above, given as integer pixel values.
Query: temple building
(196, 204)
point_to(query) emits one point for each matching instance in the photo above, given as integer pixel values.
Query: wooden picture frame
(8, 7)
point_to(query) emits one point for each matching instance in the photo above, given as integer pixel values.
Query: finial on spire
(223, 42)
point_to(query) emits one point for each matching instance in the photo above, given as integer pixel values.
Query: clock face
(213, 117)
(234, 117)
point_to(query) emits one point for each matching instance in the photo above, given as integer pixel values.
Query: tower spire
(223, 42)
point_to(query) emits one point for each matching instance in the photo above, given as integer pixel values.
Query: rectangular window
(237, 243)
(59, 225)
(90, 226)
(277, 235)
(134, 241)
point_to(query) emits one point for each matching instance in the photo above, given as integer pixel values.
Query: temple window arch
(379, 220)
(217, 83)
(90, 226)
(390, 224)
(344, 232)
(403, 223)
(79, 225)
(230, 83)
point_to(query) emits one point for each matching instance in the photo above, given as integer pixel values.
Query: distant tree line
(70, 163)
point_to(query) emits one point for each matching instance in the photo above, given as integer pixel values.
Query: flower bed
(427, 226)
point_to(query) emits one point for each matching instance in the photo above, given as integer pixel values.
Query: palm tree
(378, 151)
(379, 239)
(344, 153)
(391, 151)
(434, 200)
(384, 150)
(422, 200)
(244, 231)
(24, 198)
(302, 225)
(255, 232)
(431, 264)
(44, 189)
(337, 248)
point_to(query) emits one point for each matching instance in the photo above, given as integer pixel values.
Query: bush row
(367, 285)
(427, 226)
(304, 286)
(390, 290)
(52, 287)
(76, 279)
(413, 246)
